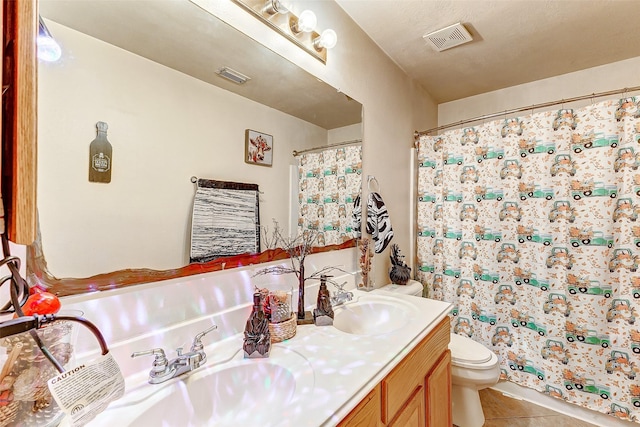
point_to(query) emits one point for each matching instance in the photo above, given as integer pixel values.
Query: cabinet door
(438, 394)
(367, 413)
(412, 415)
(404, 379)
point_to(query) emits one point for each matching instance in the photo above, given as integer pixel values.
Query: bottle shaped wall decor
(100, 156)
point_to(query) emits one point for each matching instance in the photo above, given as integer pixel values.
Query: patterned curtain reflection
(529, 226)
(329, 182)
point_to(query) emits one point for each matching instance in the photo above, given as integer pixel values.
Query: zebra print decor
(378, 222)
(225, 221)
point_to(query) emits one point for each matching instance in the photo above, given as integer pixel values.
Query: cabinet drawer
(410, 374)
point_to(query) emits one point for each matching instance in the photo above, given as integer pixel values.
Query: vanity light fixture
(48, 48)
(299, 29)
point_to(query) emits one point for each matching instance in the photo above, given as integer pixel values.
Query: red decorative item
(41, 303)
(36, 289)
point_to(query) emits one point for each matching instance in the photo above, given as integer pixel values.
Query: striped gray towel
(226, 220)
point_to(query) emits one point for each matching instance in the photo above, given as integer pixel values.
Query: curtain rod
(337, 144)
(417, 134)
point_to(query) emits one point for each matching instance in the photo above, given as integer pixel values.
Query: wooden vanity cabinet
(416, 393)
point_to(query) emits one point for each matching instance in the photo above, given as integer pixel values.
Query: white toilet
(473, 367)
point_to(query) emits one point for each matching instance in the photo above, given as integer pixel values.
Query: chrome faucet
(163, 369)
(340, 296)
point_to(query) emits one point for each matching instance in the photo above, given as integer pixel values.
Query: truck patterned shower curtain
(530, 227)
(329, 182)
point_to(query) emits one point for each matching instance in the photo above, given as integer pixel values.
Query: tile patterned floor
(503, 411)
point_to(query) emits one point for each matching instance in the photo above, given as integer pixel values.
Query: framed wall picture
(258, 148)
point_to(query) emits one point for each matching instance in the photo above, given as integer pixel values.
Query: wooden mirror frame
(37, 267)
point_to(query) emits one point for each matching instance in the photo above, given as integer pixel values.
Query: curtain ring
(370, 179)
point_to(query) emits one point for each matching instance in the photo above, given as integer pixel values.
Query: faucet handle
(197, 341)
(160, 362)
(340, 287)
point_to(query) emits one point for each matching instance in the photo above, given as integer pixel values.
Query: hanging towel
(378, 222)
(226, 220)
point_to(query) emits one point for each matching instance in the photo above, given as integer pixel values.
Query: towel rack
(370, 179)
(194, 179)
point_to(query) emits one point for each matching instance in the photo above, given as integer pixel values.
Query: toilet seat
(467, 353)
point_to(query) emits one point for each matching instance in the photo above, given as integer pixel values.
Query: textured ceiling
(515, 41)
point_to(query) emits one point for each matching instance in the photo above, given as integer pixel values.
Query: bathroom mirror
(149, 70)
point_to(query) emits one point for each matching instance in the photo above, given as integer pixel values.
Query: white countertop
(332, 371)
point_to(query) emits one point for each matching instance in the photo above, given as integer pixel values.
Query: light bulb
(307, 21)
(48, 49)
(327, 40)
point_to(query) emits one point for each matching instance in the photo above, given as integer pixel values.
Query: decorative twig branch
(277, 270)
(298, 247)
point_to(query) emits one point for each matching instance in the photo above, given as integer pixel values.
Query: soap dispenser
(323, 313)
(257, 338)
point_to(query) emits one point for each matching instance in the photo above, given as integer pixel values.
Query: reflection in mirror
(148, 70)
(329, 182)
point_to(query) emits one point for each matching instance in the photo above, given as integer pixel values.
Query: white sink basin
(373, 315)
(241, 392)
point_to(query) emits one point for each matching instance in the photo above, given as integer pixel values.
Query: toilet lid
(466, 351)
(411, 288)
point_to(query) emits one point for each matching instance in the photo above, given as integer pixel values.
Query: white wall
(164, 127)
(617, 75)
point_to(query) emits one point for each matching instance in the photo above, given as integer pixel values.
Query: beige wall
(607, 77)
(345, 134)
(164, 127)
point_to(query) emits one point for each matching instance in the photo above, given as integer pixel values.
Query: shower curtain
(329, 182)
(530, 227)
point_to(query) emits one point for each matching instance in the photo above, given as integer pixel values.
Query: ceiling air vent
(233, 75)
(446, 38)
